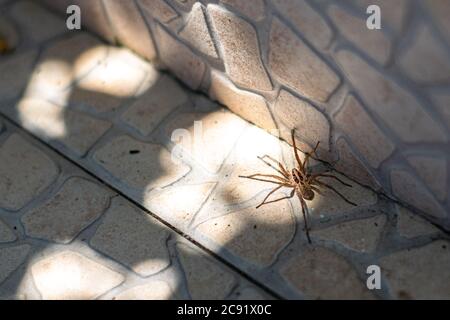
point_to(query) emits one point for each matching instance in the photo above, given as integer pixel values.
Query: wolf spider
(303, 183)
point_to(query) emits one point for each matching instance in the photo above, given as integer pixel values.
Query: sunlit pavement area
(104, 196)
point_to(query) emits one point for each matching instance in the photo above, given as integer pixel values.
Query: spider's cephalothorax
(303, 183)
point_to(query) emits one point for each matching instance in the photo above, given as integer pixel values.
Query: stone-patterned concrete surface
(245, 54)
(133, 191)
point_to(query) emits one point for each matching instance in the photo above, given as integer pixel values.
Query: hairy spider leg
(333, 189)
(286, 197)
(267, 176)
(283, 171)
(331, 176)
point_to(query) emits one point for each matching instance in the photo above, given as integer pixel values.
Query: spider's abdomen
(308, 194)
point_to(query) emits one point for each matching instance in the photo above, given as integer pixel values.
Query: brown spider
(302, 182)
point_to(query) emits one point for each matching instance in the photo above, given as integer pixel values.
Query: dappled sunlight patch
(115, 75)
(42, 117)
(206, 137)
(49, 80)
(178, 204)
(69, 275)
(140, 165)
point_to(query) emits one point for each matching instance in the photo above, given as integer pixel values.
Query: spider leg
(331, 176)
(337, 192)
(304, 205)
(286, 197)
(308, 155)
(316, 190)
(284, 180)
(297, 157)
(265, 180)
(281, 169)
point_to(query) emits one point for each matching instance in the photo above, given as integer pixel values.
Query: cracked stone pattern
(306, 20)
(213, 135)
(212, 283)
(139, 165)
(376, 44)
(361, 235)
(312, 78)
(246, 104)
(254, 235)
(153, 106)
(11, 258)
(70, 275)
(322, 274)
(133, 238)
(196, 32)
(174, 54)
(6, 234)
(417, 273)
(310, 123)
(130, 27)
(79, 203)
(363, 132)
(410, 225)
(244, 67)
(25, 173)
(77, 131)
(300, 44)
(221, 195)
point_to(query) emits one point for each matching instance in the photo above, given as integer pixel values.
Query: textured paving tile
(407, 188)
(409, 225)
(244, 103)
(25, 173)
(76, 131)
(312, 77)
(310, 123)
(196, 32)
(77, 204)
(253, 10)
(28, 14)
(158, 9)
(376, 44)
(15, 74)
(320, 273)
(116, 78)
(180, 59)
(433, 171)
(329, 204)
(209, 136)
(155, 290)
(425, 47)
(139, 165)
(153, 106)
(255, 235)
(134, 238)
(244, 66)
(363, 132)
(419, 273)
(178, 204)
(130, 27)
(213, 282)
(11, 258)
(384, 96)
(361, 235)
(6, 234)
(71, 276)
(306, 20)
